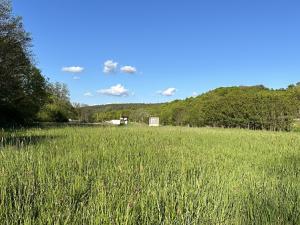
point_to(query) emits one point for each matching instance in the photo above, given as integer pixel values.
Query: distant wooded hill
(253, 107)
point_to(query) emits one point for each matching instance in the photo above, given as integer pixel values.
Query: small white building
(154, 121)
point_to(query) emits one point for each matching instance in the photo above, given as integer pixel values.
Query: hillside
(253, 107)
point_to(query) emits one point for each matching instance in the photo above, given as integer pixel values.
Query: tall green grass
(141, 175)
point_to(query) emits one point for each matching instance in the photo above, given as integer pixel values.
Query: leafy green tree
(58, 107)
(22, 86)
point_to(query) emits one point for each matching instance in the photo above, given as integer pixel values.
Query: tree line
(251, 107)
(25, 94)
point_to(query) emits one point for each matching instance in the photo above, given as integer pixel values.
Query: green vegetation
(255, 107)
(296, 125)
(22, 87)
(141, 175)
(25, 94)
(58, 107)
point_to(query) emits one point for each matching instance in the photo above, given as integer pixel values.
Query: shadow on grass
(21, 141)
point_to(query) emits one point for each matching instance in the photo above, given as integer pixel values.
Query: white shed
(154, 121)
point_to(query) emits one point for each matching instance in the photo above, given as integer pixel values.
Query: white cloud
(110, 66)
(88, 94)
(73, 69)
(117, 90)
(194, 94)
(76, 78)
(128, 69)
(168, 92)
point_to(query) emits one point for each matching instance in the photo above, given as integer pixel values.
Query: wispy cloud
(88, 94)
(194, 94)
(110, 67)
(76, 78)
(168, 92)
(117, 90)
(73, 69)
(128, 69)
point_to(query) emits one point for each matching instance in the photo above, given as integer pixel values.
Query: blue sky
(166, 49)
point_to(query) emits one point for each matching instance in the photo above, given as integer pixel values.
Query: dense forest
(26, 96)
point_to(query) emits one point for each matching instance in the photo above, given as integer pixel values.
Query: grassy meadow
(141, 175)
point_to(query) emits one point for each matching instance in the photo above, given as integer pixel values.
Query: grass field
(141, 175)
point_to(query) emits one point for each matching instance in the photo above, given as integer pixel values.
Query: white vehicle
(115, 122)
